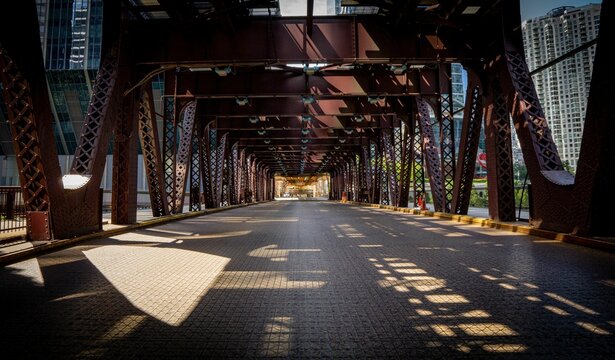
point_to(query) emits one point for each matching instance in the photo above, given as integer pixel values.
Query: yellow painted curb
(522, 229)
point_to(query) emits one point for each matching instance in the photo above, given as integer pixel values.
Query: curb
(522, 229)
(51, 246)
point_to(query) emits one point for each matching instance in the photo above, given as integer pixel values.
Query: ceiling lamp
(348, 131)
(261, 132)
(303, 147)
(307, 99)
(267, 141)
(306, 117)
(399, 70)
(222, 71)
(241, 100)
(271, 148)
(373, 99)
(336, 147)
(253, 119)
(305, 131)
(342, 140)
(304, 140)
(358, 118)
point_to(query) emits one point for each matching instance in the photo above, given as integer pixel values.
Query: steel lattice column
(376, 162)
(124, 194)
(468, 147)
(183, 157)
(404, 150)
(389, 159)
(169, 140)
(195, 170)
(432, 156)
(447, 135)
(499, 157)
(151, 152)
(418, 173)
(28, 148)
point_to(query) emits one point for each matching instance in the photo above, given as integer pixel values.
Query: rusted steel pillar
(431, 155)
(195, 169)
(418, 171)
(152, 160)
(376, 161)
(124, 184)
(444, 112)
(500, 182)
(169, 139)
(404, 151)
(389, 159)
(468, 147)
(32, 137)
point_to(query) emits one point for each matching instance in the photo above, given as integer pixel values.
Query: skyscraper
(563, 88)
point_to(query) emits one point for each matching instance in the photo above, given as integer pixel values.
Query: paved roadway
(308, 279)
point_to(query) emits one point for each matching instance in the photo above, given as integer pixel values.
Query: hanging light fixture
(306, 118)
(241, 100)
(222, 71)
(358, 118)
(261, 132)
(342, 140)
(348, 131)
(307, 99)
(267, 141)
(305, 131)
(305, 141)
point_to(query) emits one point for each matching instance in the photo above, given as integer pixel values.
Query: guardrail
(12, 210)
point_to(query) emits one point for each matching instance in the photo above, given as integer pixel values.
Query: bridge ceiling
(299, 90)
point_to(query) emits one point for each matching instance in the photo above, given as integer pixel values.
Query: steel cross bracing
(447, 136)
(468, 147)
(418, 172)
(152, 160)
(22, 122)
(499, 157)
(169, 151)
(432, 156)
(96, 126)
(195, 170)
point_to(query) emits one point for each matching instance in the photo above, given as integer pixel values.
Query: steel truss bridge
(236, 111)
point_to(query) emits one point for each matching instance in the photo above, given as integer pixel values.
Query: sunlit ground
(314, 279)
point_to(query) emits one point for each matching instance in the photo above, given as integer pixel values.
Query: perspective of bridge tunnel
(354, 110)
(364, 100)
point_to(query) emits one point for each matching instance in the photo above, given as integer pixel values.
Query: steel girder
(212, 160)
(444, 113)
(124, 194)
(183, 157)
(499, 156)
(418, 172)
(97, 125)
(468, 147)
(195, 170)
(431, 155)
(169, 142)
(256, 82)
(259, 41)
(404, 166)
(389, 173)
(23, 125)
(72, 211)
(152, 160)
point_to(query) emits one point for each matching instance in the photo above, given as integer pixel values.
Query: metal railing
(12, 210)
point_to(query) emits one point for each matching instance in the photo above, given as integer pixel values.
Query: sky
(535, 8)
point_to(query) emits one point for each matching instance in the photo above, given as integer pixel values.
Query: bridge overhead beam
(271, 41)
(257, 82)
(295, 106)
